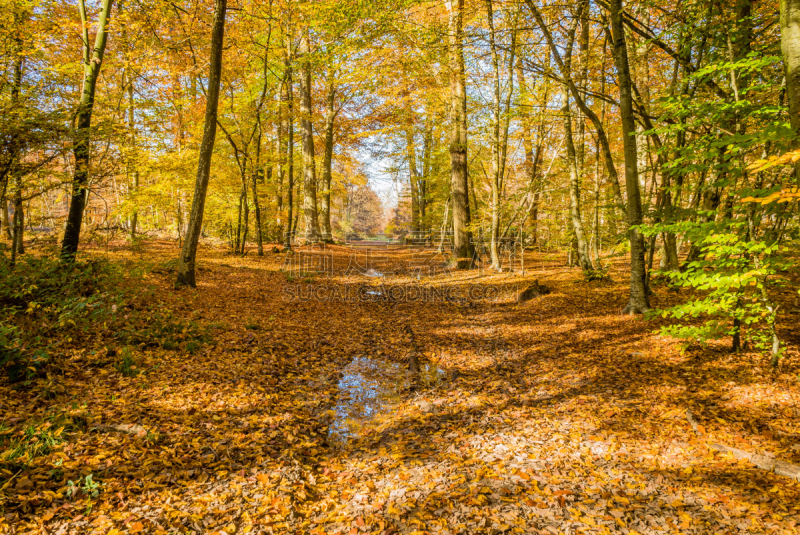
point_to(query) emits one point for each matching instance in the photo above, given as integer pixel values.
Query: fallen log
(764, 462)
(770, 464)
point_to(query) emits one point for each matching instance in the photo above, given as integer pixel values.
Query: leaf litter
(557, 415)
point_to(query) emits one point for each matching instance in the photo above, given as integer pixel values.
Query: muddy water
(368, 391)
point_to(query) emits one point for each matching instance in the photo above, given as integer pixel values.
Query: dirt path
(553, 416)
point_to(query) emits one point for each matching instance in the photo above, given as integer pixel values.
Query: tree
(582, 247)
(639, 300)
(309, 163)
(186, 262)
(463, 248)
(501, 108)
(92, 62)
(602, 136)
(790, 46)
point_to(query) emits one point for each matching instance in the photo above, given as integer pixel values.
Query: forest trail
(557, 415)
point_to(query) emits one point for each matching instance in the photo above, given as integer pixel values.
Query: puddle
(368, 390)
(430, 374)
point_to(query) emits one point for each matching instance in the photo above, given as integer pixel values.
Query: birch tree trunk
(15, 148)
(92, 62)
(186, 262)
(575, 158)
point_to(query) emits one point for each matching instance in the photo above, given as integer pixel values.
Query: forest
(411, 267)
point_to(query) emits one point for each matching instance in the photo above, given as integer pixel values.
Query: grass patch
(127, 365)
(23, 444)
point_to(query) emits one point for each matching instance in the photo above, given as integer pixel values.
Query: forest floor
(264, 410)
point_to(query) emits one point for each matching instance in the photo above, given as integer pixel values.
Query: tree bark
(92, 62)
(639, 299)
(133, 167)
(413, 173)
(19, 217)
(289, 95)
(463, 249)
(575, 158)
(6, 222)
(15, 149)
(500, 125)
(186, 263)
(309, 167)
(280, 168)
(257, 173)
(581, 246)
(790, 46)
(327, 163)
(427, 151)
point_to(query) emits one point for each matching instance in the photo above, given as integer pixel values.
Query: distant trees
(363, 212)
(493, 119)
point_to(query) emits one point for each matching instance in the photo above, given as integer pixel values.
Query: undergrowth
(52, 312)
(46, 303)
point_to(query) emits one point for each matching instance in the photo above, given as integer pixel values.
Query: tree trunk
(499, 140)
(790, 46)
(186, 263)
(309, 167)
(596, 218)
(327, 163)
(583, 83)
(246, 204)
(639, 300)
(241, 231)
(581, 247)
(15, 150)
(6, 222)
(19, 217)
(134, 169)
(575, 159)
(92, 61)
(289, 156)
(413, 174)
(281, 170)
(427, 151)
(256, 175)
(459, 184)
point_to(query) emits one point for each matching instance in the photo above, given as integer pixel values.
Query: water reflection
(368, 390)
